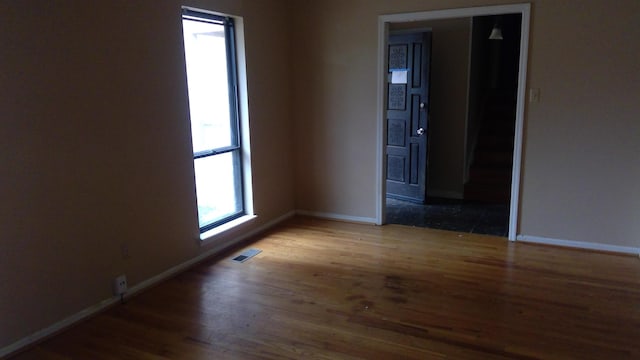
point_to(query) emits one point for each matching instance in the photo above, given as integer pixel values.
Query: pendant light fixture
(496, 33)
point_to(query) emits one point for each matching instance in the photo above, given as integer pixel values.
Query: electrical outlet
(120, 285)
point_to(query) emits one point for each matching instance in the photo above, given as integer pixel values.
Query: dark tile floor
(450, 214)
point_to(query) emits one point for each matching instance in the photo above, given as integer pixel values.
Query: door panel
(417, 58)
(395, 168)
(396, 132)
(407, 116)
(397, 97)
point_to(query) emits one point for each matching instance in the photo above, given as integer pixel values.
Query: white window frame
(208, 234)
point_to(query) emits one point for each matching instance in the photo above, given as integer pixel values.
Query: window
(210, 55)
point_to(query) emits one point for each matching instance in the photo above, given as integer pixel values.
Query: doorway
(468, 145)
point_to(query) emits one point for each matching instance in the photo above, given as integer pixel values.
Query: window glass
(208, 83)
(211, 78)
(217, 190)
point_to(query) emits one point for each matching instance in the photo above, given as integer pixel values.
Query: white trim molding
(339, 217)
(211, 235)
(60, 325)
(383, 31)
(579, 244)
(102, 305)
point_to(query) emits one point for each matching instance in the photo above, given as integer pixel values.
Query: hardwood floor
(332, 290)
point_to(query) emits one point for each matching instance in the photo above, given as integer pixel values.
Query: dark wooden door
(407, 115)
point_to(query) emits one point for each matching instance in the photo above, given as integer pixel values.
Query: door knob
(420, 131)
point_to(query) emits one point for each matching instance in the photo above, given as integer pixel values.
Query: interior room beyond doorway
(471, 126)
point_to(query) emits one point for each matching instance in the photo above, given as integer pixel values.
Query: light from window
(213, 104)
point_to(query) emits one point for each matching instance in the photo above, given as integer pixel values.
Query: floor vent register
(246, 255)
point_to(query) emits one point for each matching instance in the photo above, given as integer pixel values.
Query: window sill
(231, 225)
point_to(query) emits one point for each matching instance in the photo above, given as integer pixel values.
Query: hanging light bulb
(496, 33)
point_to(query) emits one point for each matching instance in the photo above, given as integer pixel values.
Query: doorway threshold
(452, 215)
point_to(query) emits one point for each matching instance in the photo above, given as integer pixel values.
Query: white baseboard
(94, 309)
(579, 244)
(447, 194)
(341, 217)
(60, 325)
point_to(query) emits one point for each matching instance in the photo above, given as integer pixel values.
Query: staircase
(490, 170)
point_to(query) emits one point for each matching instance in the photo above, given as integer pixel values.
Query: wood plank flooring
(332, 290)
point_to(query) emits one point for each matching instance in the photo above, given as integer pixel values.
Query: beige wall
(582, 154)
(448, 103)
(581, 167)
(96, 151)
